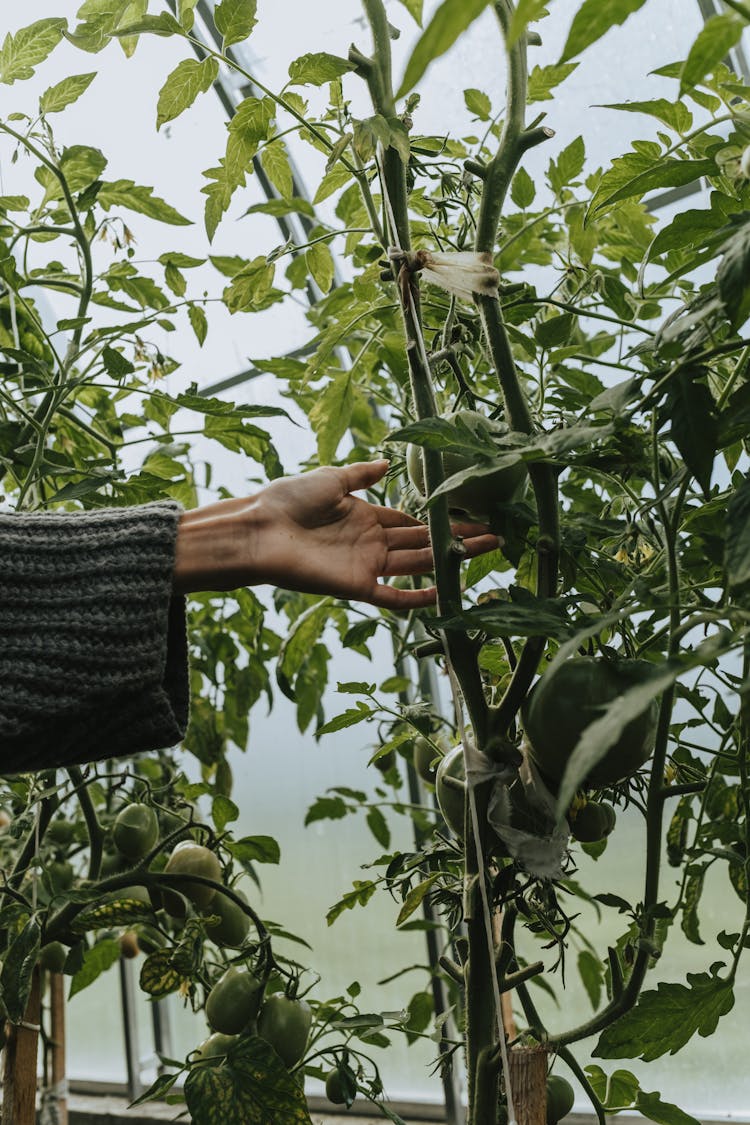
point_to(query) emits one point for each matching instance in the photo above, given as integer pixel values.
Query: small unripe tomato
(189, 858)
(214, 1047)
(135, 831)
(560, 1098)
(53, 956)
(233, 1001)
(285, 1024)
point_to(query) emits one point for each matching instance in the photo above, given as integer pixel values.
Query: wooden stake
(528, 1081)
(57, 1034)
(19, 1082)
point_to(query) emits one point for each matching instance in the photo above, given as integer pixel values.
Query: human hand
(310, 533)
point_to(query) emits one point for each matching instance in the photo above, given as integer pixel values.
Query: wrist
(216, 547)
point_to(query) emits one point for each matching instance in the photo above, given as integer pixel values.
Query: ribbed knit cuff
(93, 648)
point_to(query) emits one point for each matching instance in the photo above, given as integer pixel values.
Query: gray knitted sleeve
(93, 647)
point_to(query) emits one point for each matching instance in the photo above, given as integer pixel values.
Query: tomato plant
(530, 340)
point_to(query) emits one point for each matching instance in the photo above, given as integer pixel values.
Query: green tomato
(215, 1046)
(450, 789)
(53, 956)
(61, 875)
(593, 822)
(233, 925)
(476, 497)
(233, 1001)
(135, 831)
(285, 1024)
(559, 710)
(426, 760)
(60, 831)
(560, 1098)
(189, 858)
(341, 1086)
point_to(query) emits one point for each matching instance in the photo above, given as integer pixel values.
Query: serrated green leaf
(378, 825)
(615, 1091)
(522, 189)
(18, 966)
(64, 93)
(317, 68)
(415, 898)
(223, 811)
(635, 174)
(331, 415)
(14, 203)
(360, 896)
(198, 322)
(714, 42)
(248, 127)
(30, 45)
(478, 103)
(276, 165)
(449, 21)
(186, 13)
(250, 286)
(544, 79)
(568, 165)
(135, 197)
(95, 962)
(255, 849)
(338, 176)
(664, 1113)
(674, 114)
(737, 550)
(593, 19)
(252, 1087)
(664, 1020)
(189, 78)
(320, 263)
(235, 19)
(694, 428)
(591, 972)
(348, 718)
(163, 25)
(414, 8)
(80, 164)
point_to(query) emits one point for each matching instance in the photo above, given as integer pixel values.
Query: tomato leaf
(95, 962)
(664, 1020)
(716, 38)
(255, 849)
(591, 972)
(187, 80)
(664, 1113)
(441, 33)
(18, 965)
(122, 911)
(235, 19)
(694, 428)
(318, 68)
(592, 20)
(64, 93)
(31, 45)
(158, 975)
(737, 550)
(253, 1087)
(415, 898)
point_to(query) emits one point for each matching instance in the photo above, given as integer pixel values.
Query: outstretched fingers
(389, 597)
